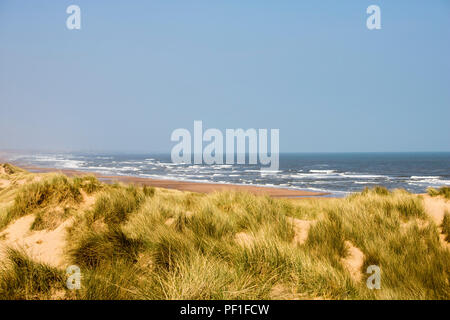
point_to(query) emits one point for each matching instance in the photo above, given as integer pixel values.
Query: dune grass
(183, 246)
(51, 198)
(9, 169)
(23, 278)
(53, 191)
(446, 226)
(147, 243)
(442, 191)
(87, 183)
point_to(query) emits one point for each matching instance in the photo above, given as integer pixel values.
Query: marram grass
(442, 191)
(147, 243)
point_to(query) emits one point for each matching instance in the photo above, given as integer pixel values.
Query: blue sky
(138, 70)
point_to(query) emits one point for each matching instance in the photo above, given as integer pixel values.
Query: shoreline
(199, 187)
(204, 186)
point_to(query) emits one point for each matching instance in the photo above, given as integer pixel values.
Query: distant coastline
(200, 187)
(302, 174)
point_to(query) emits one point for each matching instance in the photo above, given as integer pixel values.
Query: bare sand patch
(436, 207)
(354, 261)
(301, 229)
(43, 246)
(4, 183)
(88, 200)
(18, 229)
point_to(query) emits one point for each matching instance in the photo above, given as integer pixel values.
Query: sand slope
(436, 207)
(43, 246)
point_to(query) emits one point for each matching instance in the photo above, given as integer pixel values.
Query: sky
(137, 70)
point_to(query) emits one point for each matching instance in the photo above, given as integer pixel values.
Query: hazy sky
(138, 70)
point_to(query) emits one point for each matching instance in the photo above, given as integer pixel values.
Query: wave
(424, 177)
(313, 176)
(221, 166)
(334, 192)
(429, 182)
(58, 161)
(73, 164)
(363, 176)
(364, 182)
(323, 171)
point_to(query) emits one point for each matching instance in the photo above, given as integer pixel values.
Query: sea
(336, 173)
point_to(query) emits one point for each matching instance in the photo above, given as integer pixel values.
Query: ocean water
(337, 173)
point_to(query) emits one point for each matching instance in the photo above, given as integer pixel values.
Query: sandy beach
(200, 187)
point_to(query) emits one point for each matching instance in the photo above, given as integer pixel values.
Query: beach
(303, 174)
(200, 187)
(190, 186)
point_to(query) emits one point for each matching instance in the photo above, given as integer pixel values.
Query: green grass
(98, 249)
(114, 205)
(188, 244)
(442, 191)
(446, 226)
(89, 184)
(147, 243)
(23, 278)
(50, 219)
(37, 195)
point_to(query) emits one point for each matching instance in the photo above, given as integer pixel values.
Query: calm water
(339, 173)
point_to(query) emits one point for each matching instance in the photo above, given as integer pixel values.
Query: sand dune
(436, 207)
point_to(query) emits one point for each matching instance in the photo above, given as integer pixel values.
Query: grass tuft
(99, 249)
(379, 190)
(89, 184)
(22, 278)
(446, 226)
(442, 191)
(54, 191)
(10, 169)
(115, 205)
(50, 219)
